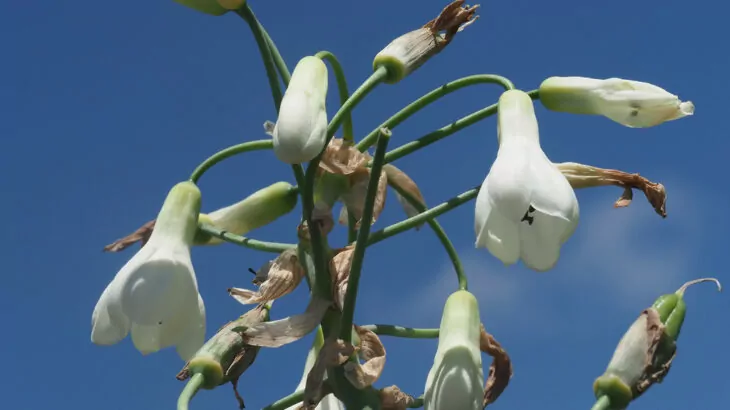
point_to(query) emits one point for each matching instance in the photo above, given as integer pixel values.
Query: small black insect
(529, 219)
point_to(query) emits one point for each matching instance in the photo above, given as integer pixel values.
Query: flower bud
(226, 355)
(456, 378)
(300, 132)
(258, 209)
(646, 351)
(409, 51)
(634, 104)
(211, 7)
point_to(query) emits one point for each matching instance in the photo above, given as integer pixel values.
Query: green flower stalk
(411, 50)
(223, 358)
(456, 379)
(211, 7)
(645, 353)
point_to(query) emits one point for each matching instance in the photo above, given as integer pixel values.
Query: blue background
(106, 105)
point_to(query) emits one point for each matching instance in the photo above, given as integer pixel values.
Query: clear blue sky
(106, 105)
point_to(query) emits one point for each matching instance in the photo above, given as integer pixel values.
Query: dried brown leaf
(283, 331)
(500, 371)
(333, 353)
(341, 157)
(586, 176)
(398, 178)
(392, 398)
(372, 351)
(354, 198)
(283, 275)
(653, 372)
(140, 235)
(340, 272)
(453, 19)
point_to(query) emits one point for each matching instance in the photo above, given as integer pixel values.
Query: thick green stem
(603, 403)
(424, 216)
(375, 78)
(431, 97)
(189, 391)
(266, 55)
(416, 403)
(286, 402)
(348, 308)
(400, 331)
(347, 131)
(428, 215)
(227, 153)
(273, 247)
(278, 59)
(440, 133)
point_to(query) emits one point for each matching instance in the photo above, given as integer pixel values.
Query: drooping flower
(634, 104)
(300, 132)
(155, 294)
(526, 209)
(456, 379)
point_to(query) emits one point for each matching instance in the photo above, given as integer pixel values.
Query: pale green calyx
(456, 379)
(300, 133)
(631, 103)
(211, 7)
(258, 209)
(178, 218)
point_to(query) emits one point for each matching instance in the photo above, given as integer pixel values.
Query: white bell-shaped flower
(155, 294)
(328, 402)
(634, 104)
(456, 380)
(526, 209)
(300, 132)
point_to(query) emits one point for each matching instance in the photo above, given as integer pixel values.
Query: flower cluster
(526, 209)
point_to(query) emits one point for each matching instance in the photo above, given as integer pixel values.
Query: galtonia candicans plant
(526, 209)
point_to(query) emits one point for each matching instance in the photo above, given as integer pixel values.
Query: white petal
(108, 324)
(299, 134)
(540, 242)
(154, 337)
(193, 337)
(552, 193)
(494, 232)
(456, 383)
(510, 181)
(159, 288)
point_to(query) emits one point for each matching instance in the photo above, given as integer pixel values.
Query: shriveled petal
(400, 179)
(342, 158)
(354, 198)
(493, 231)
(108, 324)
(160, 287)
(280, 332)
(372, 352)
(283, 275)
